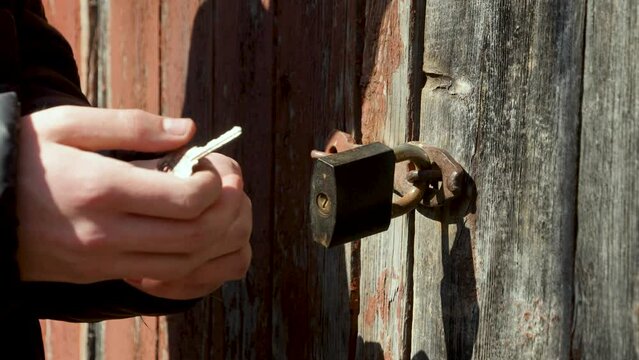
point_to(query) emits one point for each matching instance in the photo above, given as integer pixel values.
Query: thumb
(108, 129)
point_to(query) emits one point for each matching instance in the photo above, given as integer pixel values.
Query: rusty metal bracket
(451, 192)
(338, 141)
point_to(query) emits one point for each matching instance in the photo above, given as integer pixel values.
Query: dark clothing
(37, 71)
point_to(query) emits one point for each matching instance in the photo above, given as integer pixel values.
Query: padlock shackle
(410, 200)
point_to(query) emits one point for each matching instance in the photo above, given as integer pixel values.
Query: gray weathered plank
(607, 256)
(502, 94)
(386, 259)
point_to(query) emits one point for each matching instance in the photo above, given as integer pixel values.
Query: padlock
(352, 194)
(352, 191)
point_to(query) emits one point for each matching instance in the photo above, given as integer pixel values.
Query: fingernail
(177, 127)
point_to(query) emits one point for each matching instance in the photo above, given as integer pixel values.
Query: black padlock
(352, 194)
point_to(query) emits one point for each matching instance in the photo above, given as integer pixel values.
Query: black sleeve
(48, 73)
(48, 77)
(95, 302)
(9, 114)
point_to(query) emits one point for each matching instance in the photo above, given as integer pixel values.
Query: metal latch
(352, 187)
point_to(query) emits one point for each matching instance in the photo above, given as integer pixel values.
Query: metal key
(181, 164)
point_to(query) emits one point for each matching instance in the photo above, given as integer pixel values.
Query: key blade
(216, 143)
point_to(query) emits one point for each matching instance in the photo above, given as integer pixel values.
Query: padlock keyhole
(323, 203)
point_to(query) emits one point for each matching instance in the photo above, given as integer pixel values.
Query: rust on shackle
(357, 189)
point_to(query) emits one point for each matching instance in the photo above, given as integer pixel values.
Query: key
(181, 163)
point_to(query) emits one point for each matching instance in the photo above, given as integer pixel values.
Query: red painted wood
(135, 338)
(133, 81)
(62, 340)
(134, 54)
(217, 67)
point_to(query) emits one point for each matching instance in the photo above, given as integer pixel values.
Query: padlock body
(351, 194)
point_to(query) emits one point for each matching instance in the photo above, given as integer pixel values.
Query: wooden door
(536, 99)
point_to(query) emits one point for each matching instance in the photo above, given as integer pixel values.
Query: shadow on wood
(460, 310)
(374, 351)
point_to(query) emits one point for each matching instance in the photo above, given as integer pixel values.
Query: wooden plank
(315, 91)
(185, 25)
(607, 255)
(217, 67)
(187, 89)
(134, 50)
(501, 94)
(128, 77)
(386, 259)
(134, 338)
(63, 340)
(243, 80)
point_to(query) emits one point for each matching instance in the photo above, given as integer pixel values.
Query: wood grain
(187, 61)
(134, 54)
(502, 94)
(314, 92)
(63, 340)
(545, 265)
(130, 64)
(244, 68)
(134, 338)
(607, 255)
(386, 271)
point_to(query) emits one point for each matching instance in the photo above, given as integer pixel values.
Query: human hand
(86, 218)
(214, 272)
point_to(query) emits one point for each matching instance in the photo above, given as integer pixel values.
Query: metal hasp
(353, 185)
(351, 194)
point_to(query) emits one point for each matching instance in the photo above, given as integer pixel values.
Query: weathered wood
(315, 92)
(502, 95)
(244, 66)
(217, 67)
(130, 51)
(131, 338)
(187, 89)
(63, 340)
(607, 254)
(134, 50)
(386, 271)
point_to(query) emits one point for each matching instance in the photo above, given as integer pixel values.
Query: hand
(213, 273)
(86, 218)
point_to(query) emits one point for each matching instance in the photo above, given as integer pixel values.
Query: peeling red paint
(379, 305)
(383, 52)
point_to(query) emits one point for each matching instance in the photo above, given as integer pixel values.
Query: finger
(224, 228)
(107, 129)
(201, 281)
(165, 267)
(229, 169)
(117, 185)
